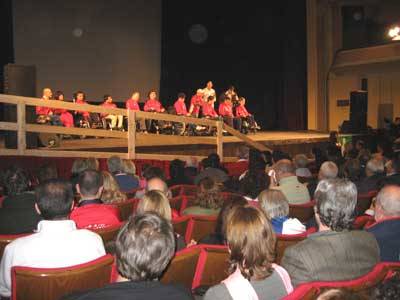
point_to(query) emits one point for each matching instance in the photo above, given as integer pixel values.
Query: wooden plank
(21, 128)
(61, 153)
(162, 139)
(8, 152)
(131, 134)
(75, 131)
(220, 143)
(11, 99)
(247, 140)
(174, 118)
(8, 126)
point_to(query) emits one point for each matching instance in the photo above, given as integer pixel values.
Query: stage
(292, 142)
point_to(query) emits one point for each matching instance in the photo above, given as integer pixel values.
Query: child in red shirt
(108, 102)
(208, 108)
(153, 105)
(241, 112)
(196, 103)
(225, 110)
(133, 102)
(65, 116)
(180, 106)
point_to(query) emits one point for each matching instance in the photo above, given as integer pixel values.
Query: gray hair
(375, 166)
(114, 164)
(328, 170)
(284, 166)
(273, 203)
(301, 161)
(389, 200)
(336, 201)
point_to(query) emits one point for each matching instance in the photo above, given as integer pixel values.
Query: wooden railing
(22, 127)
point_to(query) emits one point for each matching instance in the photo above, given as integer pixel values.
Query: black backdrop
(258, 46)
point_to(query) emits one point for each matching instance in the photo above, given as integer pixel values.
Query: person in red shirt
(66, 117)
(133, 104)
(91, 213)
(180, 106)
(153, 105)
(81, 116)
(208, 108)
(226, 112)
(241, 112)
(45, 114)
(108, 103)
(196, 103)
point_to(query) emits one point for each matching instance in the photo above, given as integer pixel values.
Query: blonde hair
(129, 167)
(111, 192)
(92, 163)
(274, 203)
(155, 201)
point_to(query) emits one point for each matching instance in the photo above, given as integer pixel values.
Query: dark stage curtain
(259, 47)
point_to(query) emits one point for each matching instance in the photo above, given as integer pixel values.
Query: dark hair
(177, 168)
(58, 94)
(54, 199)
(214, 160)
(106, 96)
(278, 155)
(89, 182)
(352, 170)
(79, 92)
(210, 98)
(15, 181)
(47, 171)
(388, 289)
(226, 98)
(144, 247)
(256, 160)
(253, 183)
(396, 162)
(153, 172)
(181, 95)
(335, 202)
(152, 91)
(226, 208)
(209, 195)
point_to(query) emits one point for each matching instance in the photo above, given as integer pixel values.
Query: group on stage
(231, 110)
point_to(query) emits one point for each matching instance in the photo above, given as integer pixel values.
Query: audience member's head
(300, 161)
(145, 245)
(251, 241)
(364, 155)
(129, 167)
(274, 203)
(214, 160)
(93, 163)
(328, 170)
(78, 166)
(243, 152)
(278, 155)
(388, 289)
(192, 162)
(111, 192)
(155, 201)
(16, 181)
(352, 170)
(90, 184)
(177, 168)
(153, 172)
(47, 171)
(253, 183)
(54, 199)
(388, 203)
(374, 166)
(114, 164)
(256, 160)
(284, 168)
(335, 204)
(360, 145)
(209, 195)
(157, 184)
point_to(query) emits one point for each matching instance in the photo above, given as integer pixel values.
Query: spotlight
(394, 33)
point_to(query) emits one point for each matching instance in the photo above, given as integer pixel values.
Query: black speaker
(358, 110)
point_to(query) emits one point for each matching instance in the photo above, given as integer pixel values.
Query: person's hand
(192, 243)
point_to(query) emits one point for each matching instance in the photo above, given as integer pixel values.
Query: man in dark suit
(374, 171)
(387, 228)
(334, 252)
(392, 172)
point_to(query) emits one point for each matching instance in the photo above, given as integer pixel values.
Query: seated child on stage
(226, 112)
(153, 105)
(66, 117)
(108, 103)
(241, 112)
(208, 109)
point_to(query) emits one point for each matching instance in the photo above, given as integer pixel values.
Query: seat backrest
(212, 267)
(126, 208)
(108, 234)
(199, 227)
(52, 284)
(187, 201)
(303, 212)
(363, 203)
(189, 190)
(176, 202)
(8, 238)
(286, 240)
(182, 268)
(181, 224)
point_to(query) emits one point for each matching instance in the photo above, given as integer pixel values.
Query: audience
(393, 176)
(387, 228)
(301, 163)
(208, 200)
(145, 246)
(191, 169)
(374, 172)
(78, 166)
(213, 169)
(57, 242)
(328, 170)
(47, 171)
(276, 207)
(388, 289)
(125, 181)
(319, 258)
(253, 183)
(253, 275)
(177, 173)
(111, 192)
(18, 214)
(129, 168)
(91, 213)
(285, 180)
(352, 170)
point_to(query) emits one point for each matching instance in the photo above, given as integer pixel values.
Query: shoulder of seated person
(217, 292)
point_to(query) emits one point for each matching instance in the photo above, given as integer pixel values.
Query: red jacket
(180, 108)
(197, 102)
(41, 110)
(132, 105)
(83, 113)
(95, 216)
(153, 105)
(109, 105)
(241, 111)
(209, 111)
(225, 109)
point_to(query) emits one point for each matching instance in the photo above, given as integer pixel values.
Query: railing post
(131, 134)
(220, 143)
(21, 126)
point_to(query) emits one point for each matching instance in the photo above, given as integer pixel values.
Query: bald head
(388, 202)
(47, 93)
(328, 170)
(157, 184)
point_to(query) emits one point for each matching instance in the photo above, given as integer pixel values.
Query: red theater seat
(199, 227)
(51, 284)
(126, 208)
(181, 224)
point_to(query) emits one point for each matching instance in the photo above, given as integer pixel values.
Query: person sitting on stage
(153, 105)
(81, 116)
(108, 103)
(225, 111)
(208, 108)
(46, 114)
(241, 112)
(208, 91)
(196, 103)
(66, 117)
(133, 102)
(231, 93)
(180, 106)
